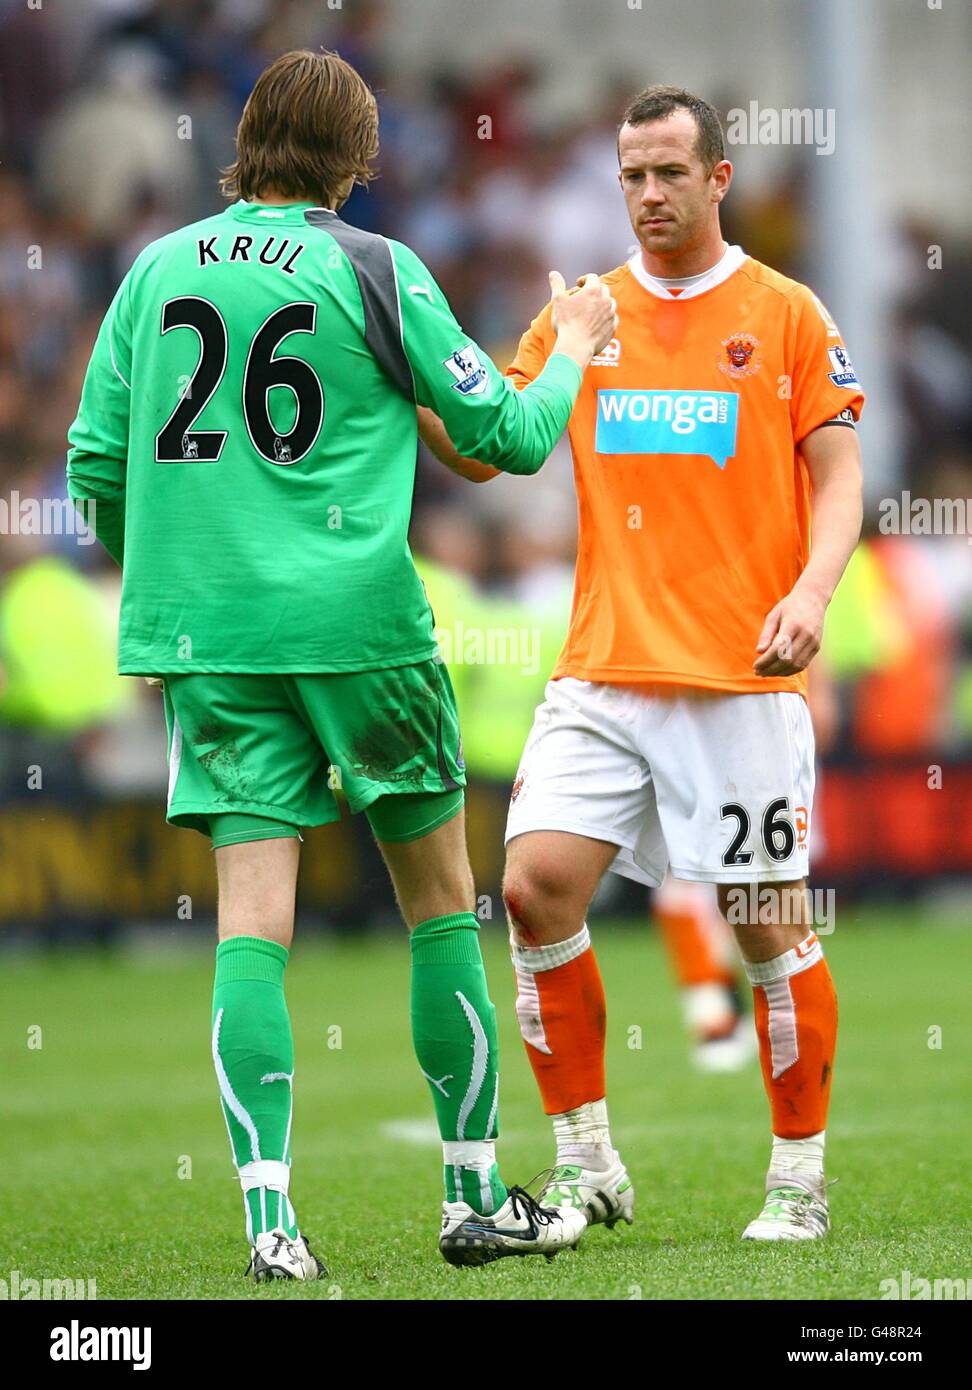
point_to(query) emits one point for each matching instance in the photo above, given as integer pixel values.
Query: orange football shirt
(693, 498)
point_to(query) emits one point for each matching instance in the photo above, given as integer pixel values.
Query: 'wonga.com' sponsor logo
(668, 422)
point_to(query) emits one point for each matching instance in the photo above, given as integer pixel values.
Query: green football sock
(454, 1032)
(253, 1052)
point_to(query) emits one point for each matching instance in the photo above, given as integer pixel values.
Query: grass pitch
(106, 1120)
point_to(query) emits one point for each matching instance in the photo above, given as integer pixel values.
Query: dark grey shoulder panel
(371, 258)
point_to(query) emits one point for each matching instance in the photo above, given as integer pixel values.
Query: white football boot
(276, 1256)
(602, 1195)
(521, 1226)
(314, 1266)
(795, 1209)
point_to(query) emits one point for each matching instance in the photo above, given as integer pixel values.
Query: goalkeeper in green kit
(247, 433)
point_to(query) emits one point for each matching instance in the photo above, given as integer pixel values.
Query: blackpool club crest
(740, 356)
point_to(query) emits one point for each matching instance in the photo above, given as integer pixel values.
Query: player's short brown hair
(310, 124)
(655, 103)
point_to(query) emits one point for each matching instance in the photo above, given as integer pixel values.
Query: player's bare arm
(793, 629)
(433, 434)
(585, 318)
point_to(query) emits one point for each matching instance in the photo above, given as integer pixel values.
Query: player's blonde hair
(309, 126)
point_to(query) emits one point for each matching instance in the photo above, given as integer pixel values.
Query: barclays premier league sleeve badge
(843, 373)
(470, 374)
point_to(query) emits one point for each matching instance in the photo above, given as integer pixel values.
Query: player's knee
(535, 898)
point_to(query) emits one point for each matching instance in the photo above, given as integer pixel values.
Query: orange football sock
(796, 1021)
(561, 1008)
(695, 934)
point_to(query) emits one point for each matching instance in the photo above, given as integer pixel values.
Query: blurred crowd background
(115, 117)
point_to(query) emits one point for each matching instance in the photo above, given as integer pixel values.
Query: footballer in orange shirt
(707, 437)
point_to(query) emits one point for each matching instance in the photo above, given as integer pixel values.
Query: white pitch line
(423, 1132)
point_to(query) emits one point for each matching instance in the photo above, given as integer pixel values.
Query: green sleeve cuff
(551, 398)
(105, 513)
(562, 370)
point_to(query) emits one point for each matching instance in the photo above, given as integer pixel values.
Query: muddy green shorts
(277, 748)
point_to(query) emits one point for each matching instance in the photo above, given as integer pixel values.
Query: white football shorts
(719, 786)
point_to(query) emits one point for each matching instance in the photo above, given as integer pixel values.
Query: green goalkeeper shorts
(277, 748)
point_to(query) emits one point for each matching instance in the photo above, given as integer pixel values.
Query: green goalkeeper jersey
(247, 431)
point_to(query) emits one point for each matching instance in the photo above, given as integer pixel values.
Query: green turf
(99, 1119)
